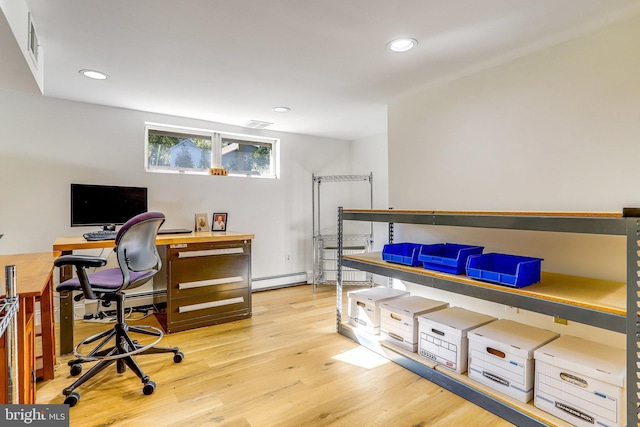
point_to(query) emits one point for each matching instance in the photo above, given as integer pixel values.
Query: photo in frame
(219, 222)
(202, 222)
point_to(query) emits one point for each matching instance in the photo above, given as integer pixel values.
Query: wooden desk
(34, 280)
(167, 243)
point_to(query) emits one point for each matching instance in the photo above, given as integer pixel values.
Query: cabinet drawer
(198, 250)
(208, 305)
(195, 276)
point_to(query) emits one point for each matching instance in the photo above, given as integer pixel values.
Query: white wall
(556, 130)
(370, 155)
(46, 144)
(367, 155)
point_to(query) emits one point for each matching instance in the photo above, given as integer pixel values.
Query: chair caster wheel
(75, 369)
(177, 358)
(72, 399)
(148, 388)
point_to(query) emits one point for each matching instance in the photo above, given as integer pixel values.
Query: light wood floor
(286, 366)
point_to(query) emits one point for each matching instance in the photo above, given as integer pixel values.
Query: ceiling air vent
(256, 124)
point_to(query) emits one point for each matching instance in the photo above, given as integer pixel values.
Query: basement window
(173, 149)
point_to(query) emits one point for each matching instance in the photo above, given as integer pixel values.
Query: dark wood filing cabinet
(207, 283)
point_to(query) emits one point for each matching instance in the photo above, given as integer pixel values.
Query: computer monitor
(105, 205)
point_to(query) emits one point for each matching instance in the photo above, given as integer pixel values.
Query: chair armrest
(83, 261)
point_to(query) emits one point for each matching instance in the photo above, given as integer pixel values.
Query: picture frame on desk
(219, 222)
(202, 222)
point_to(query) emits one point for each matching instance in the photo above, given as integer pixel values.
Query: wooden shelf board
(595, 294)
(526, 408)
(491, 213)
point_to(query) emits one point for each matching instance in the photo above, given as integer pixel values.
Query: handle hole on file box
(496, 352)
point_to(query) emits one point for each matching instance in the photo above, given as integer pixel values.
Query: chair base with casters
(138, 262)
(121, 352)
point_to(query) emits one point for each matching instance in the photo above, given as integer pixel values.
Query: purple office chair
(138, 262)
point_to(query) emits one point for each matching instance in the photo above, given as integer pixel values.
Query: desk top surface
(33, 271)
(70, 243)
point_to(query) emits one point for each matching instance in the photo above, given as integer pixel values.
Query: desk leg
(47, 321)
(66, 323)
(66, 312)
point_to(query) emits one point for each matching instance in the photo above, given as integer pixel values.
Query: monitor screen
(105, 204)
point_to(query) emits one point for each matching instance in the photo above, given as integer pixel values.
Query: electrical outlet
(511, 309)
(287, 257)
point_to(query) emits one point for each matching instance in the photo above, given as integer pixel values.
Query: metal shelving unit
(325, 246)
(625, 224)
(9, 306)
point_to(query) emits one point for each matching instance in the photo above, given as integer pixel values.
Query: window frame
(217, 138)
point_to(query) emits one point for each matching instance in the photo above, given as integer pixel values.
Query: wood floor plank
(285, 366)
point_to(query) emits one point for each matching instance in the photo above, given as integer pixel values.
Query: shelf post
(313, 227)
(633, 320)
(390, 240)
(11, 342)
(339, 274)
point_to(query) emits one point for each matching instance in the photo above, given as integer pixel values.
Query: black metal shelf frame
(565, 224)
(622, 226)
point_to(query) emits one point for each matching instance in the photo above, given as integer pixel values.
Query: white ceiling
(231, 61)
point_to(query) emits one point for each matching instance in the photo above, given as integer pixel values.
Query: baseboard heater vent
(279, 281)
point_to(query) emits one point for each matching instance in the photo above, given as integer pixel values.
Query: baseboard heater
(146, 298)
(279, 281)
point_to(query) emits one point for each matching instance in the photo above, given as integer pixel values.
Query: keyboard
(100, 235)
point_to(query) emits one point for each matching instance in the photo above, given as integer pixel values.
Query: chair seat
(107, 280)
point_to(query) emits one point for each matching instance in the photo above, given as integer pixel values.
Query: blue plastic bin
(447, 257)
(402, 253)
(504, 269)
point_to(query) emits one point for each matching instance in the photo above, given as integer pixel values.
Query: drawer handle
(209, 252)
(209, 282)
(211, 304)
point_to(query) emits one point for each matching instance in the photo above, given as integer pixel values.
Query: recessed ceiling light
(402, 45)
(281, 109)
(93, 74)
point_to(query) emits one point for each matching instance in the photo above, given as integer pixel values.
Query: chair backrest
(136, 245)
